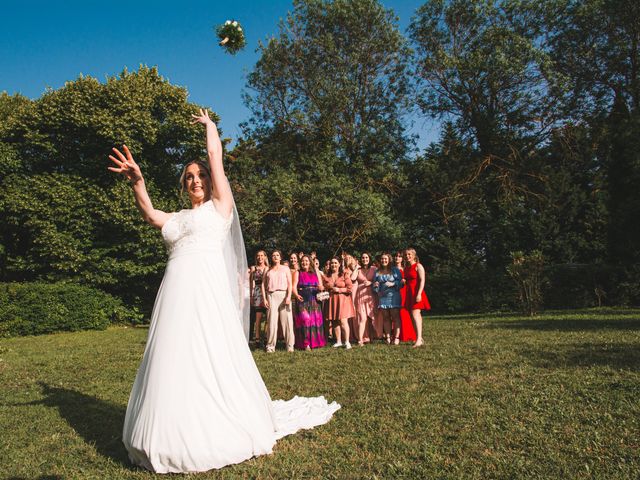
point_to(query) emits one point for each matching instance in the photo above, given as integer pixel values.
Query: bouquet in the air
(231, 36)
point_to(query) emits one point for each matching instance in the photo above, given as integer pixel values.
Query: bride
(198, 401)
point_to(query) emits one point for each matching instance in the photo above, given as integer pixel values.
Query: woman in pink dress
(407, 332)
(416, 299)
(365, 300)
(338, 283)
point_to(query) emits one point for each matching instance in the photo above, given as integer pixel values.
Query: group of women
(347, 300)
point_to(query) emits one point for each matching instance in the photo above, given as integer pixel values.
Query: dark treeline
(539, 151)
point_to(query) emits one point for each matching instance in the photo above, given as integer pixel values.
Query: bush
(527, 271)
(583, 285)
(37, 308)
(469, 289)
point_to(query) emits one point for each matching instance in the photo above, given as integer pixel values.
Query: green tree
(320, 159)
(596, 47)
(70, 130)
(479, 63)
(64, 215)
(336, 73)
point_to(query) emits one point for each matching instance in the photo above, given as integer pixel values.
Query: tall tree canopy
(65, 216)
(328, 95)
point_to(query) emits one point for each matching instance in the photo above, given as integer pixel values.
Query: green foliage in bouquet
(231, 36)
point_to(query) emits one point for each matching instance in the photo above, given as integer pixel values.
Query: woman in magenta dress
(308, 322)
(416, 299)
(407, 332)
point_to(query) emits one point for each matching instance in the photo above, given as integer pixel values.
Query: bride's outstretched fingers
(203, 117)
(125, 164)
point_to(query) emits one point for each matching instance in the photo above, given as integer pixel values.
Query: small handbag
(322, 296)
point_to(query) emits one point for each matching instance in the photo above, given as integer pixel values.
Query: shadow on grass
(470, 316)
(626, 313)
(98, 422)
(616, 355)
(568, 324)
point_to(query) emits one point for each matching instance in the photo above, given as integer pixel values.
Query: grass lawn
(557, 396)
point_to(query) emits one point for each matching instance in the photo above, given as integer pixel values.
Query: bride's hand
(203, 118)
(126, 165)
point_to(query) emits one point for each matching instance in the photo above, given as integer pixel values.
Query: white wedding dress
(198, 401)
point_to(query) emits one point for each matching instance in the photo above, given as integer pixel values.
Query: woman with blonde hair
(416, 299)
(258, 307)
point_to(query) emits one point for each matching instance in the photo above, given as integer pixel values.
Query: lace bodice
(198, 227)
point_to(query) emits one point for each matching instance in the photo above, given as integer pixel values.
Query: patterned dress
(389, 296)
(308, 323)
(256, 294)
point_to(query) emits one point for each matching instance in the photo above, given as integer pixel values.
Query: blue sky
(44, 44)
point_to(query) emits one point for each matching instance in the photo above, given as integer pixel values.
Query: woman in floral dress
(308, 322)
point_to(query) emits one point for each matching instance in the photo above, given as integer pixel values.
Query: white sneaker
(336, 345)
(347, 346)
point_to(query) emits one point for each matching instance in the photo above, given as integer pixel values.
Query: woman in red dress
(407, 332)
(415, 299)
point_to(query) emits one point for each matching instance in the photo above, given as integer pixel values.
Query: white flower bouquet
(231, 36)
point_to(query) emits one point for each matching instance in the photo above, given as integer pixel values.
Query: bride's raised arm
(126, 165)
(221, 192)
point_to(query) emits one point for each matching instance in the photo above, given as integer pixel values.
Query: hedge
(37, 308)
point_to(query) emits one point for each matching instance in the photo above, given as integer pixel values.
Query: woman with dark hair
(365, 301)
(294, 266)
(198, 401)
(338, 283)
(416, 299)
(387, 283)
(308, 322)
